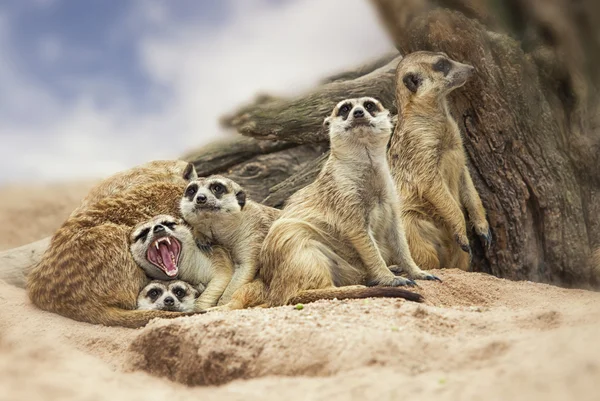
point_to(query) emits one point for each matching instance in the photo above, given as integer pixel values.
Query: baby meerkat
(344, 228)
(173, 296)
(429, 163)
(219, 213)
(165, 249)
(87, 273)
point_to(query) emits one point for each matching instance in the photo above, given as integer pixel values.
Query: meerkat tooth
(156, 245)
(168, 240)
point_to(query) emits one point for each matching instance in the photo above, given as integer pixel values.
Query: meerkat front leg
(377, 270)
(472, 202)
(243, 274)
(402, 258)
(223, 271)
(449, 210)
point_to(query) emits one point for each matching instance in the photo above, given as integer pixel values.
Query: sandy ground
(477, 337)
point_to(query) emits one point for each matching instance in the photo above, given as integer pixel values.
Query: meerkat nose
(158, 229)
(201, 198)
(169, 301)
(358, 113)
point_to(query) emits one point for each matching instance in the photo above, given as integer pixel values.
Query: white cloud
(206, 72)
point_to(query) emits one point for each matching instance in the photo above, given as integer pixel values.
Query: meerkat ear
(412, 82)
(326, 124)
(189, 173)
(241, 198)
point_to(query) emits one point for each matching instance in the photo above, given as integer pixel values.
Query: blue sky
(90, 87)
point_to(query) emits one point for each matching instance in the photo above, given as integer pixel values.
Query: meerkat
(15, 264)
(220, 213)
(173, 296)
(343, 229)
(88, 273)
(165, 249)
(428, 162)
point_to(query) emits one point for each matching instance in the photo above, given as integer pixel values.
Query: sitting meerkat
(429, 163)
(88, 273)
(344, 228)
(165, 249)
(219, 213)
(173, 296)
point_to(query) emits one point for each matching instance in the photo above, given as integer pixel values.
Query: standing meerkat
(219, 213)
(344, 228)
(173, 296)
(429, 163)
(88, 273)
(165, 249)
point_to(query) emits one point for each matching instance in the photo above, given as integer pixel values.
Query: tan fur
(88, 273)
(344, 228)
(231, 220)
(428, 162)
(176, 171)
(209, 269)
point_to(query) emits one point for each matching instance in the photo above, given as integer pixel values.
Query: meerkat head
(157, 246)
(361, 121)
(427, 75)
(174, 296)
(209, 197)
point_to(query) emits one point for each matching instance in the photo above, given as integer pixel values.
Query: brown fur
(428, 162)
(176, 171)
(88, 273)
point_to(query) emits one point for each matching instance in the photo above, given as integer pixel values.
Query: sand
(477, 337)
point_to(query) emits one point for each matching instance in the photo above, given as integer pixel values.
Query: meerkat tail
(134, 318)
(355, 292)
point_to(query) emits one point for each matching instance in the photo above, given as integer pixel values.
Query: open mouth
(164, 253)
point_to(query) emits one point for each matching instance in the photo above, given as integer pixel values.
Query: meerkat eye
(179, 292)
(369, 106)
(442, 65)
(169, 224)
(217, 188)
(344, 110)
(142, 235)
(154, 293)
(191, 191)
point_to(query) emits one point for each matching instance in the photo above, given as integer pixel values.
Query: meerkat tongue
(168, 259)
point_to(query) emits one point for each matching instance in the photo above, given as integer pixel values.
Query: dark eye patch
(218, 189)
(142, 235)
(190, 191)
(179, 292)
(345, 110)
(154, 293)
(169, 224)
(371, 107)
(443, 66)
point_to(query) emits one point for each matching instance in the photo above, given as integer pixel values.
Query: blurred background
(91, 87)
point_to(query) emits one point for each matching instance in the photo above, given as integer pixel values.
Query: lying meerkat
(218, 211)
(88, 273)
(344, 228)
(165, 249)
(429, 163)
(173, 296)
(15, 264)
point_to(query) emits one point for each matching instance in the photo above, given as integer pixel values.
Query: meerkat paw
(414, 274)
(463, 242)
(392, 281)
(485, 234)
